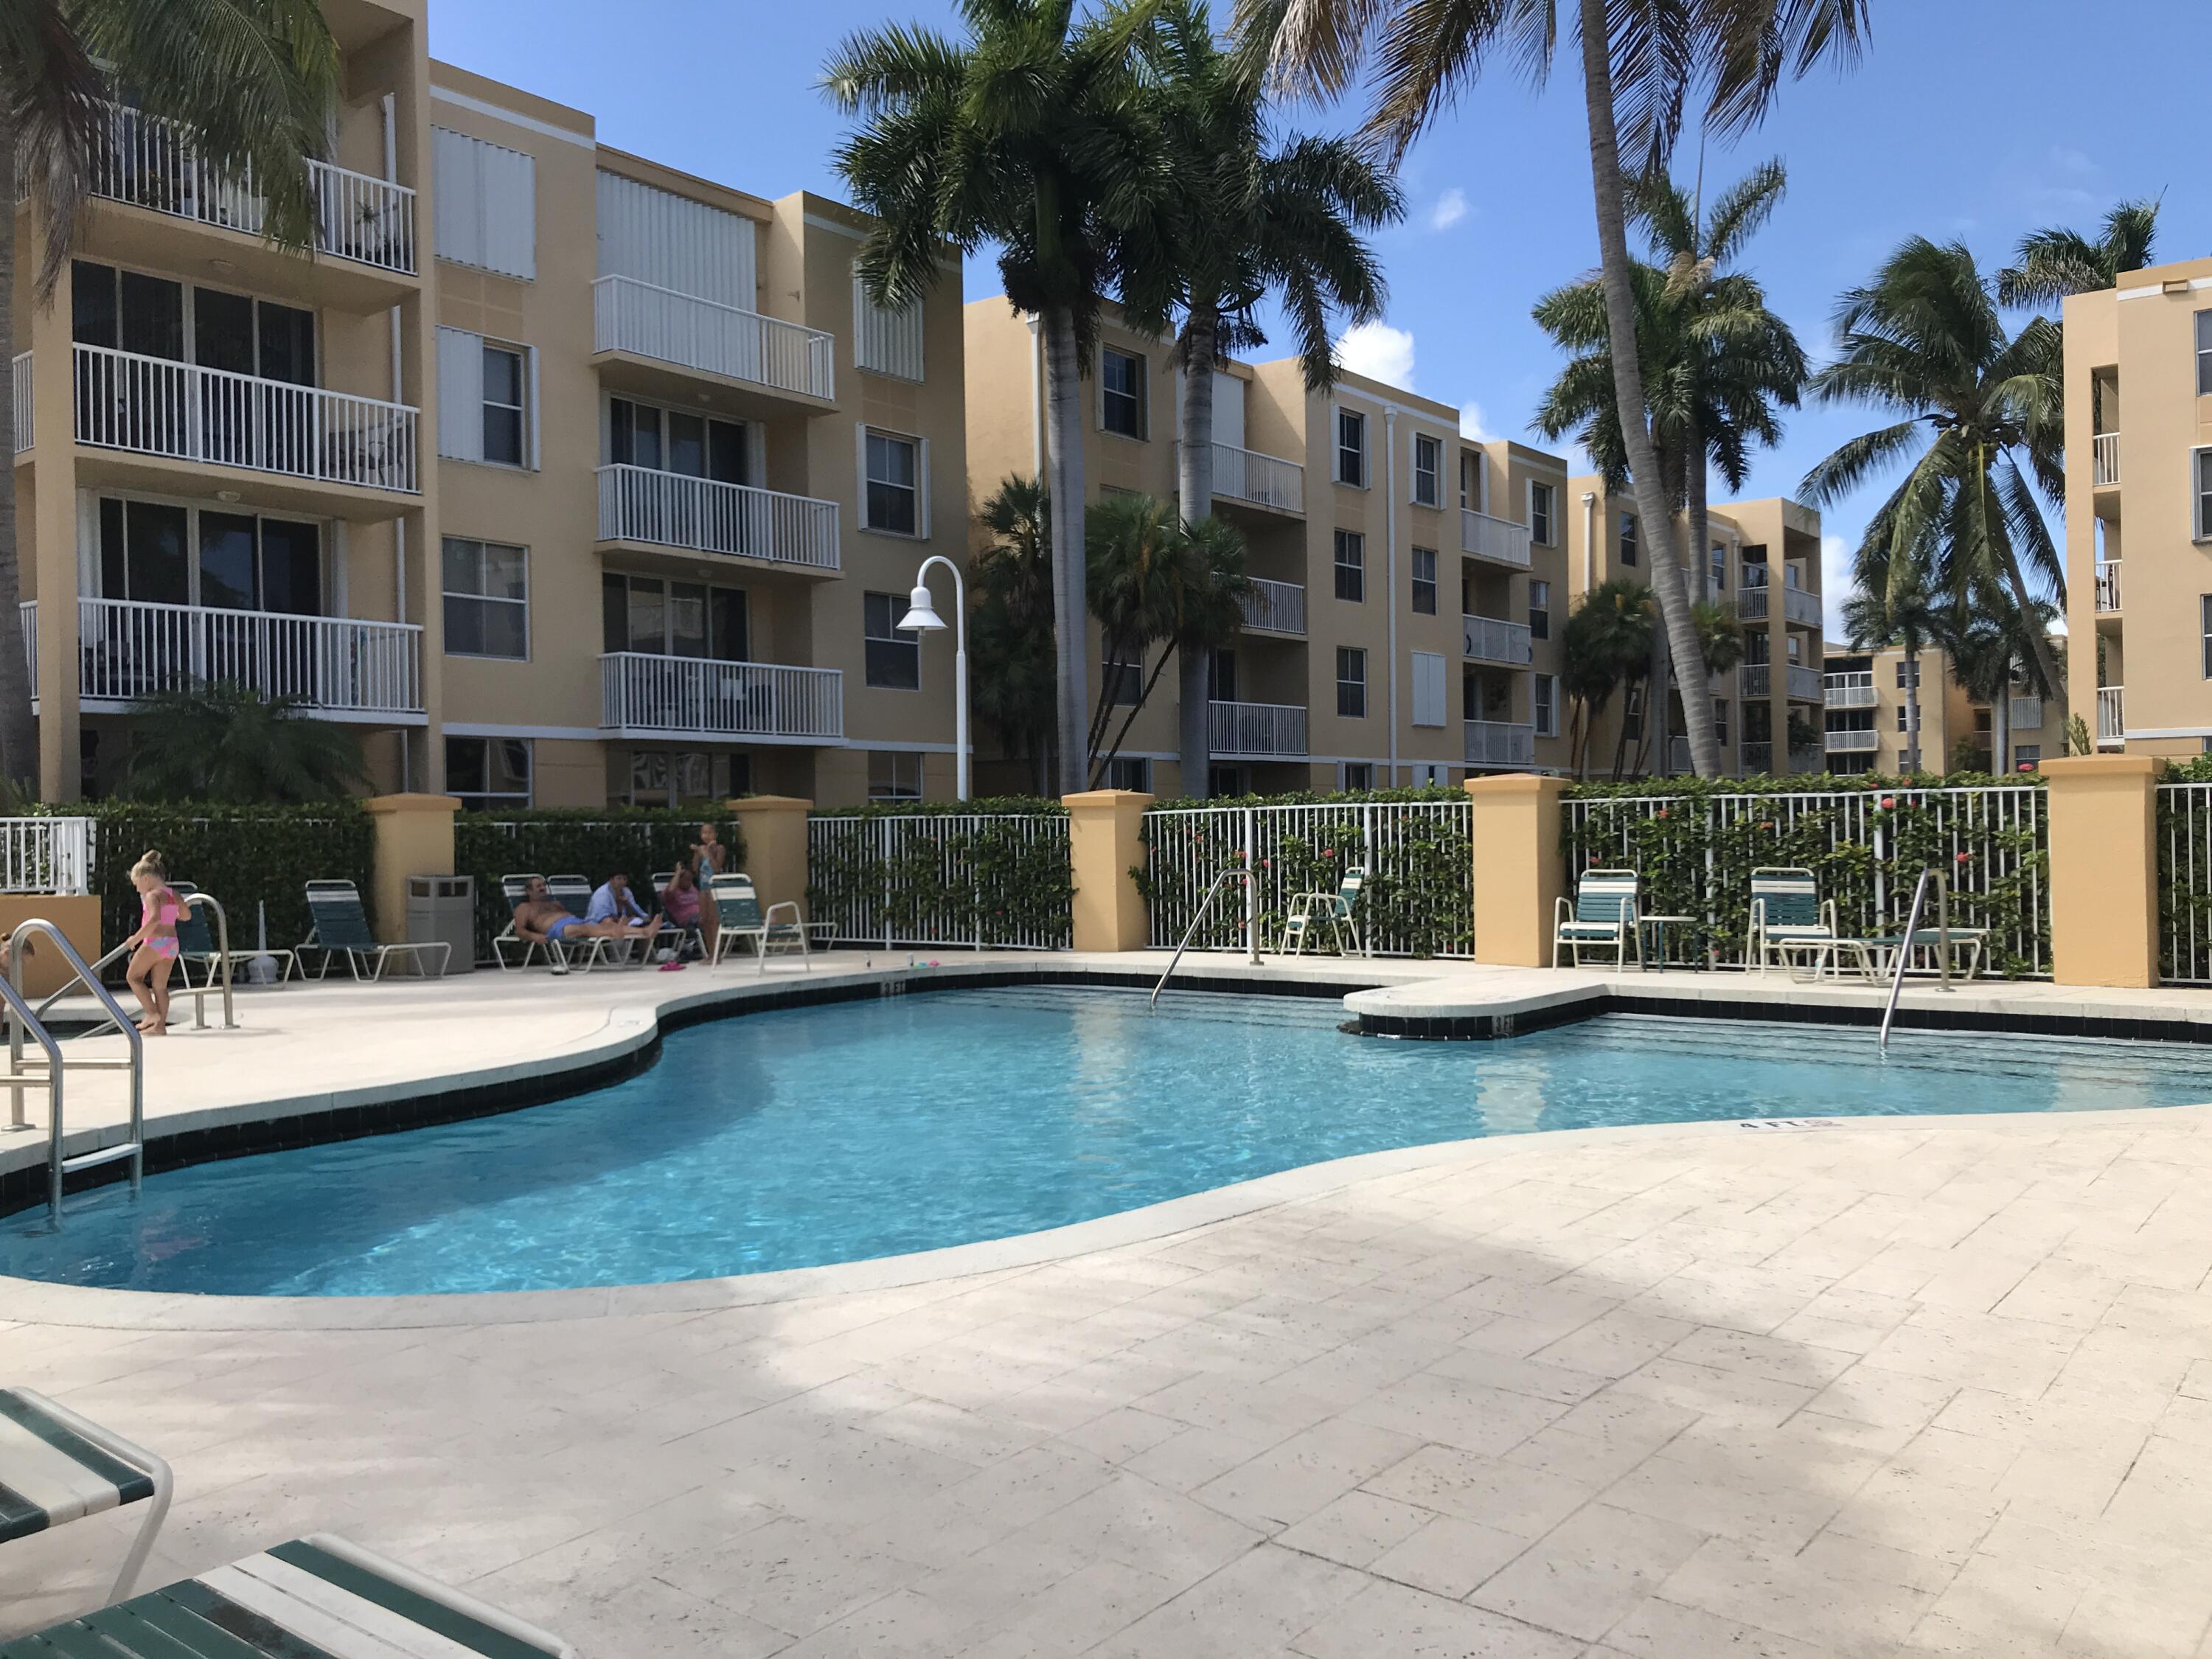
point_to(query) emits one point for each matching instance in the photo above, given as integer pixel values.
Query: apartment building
(1406, 583)
(561, 476)
(1763, 558)
(2139, 475)
(1868, 717)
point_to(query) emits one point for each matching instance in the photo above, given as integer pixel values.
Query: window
(1540, 514)
(1125, 679)
(159, 553)
(659, 778)
(2205, 353)
(1130, 772)
(894, 471)
(893, 774)
(1121, 392)
(1470, 479)
(1351, 566)
(1902, 711)
(1221, 677)
(1424, 581)
(676, 440)
(1359, 775)
(1720, 721)
(894, 658)
(1908, 676)
(1428, 464)
(2204, 494)
(1719, 569)
(488, 773)
(487, 399)
(502, 405)
(487, 599)
(1223, 782)
(1540, 610)
(1628, 538)
(2204, 621)
(666, 618)
(1545, 701)
(2028, 757)
(1351, 447)
(1632, 714)
(1350, 683)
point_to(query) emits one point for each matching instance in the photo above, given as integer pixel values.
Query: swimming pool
(805, 1136)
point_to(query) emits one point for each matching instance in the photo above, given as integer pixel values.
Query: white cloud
(1378, 351)
(1471, 426)
(1451, 209)
(1837, 583)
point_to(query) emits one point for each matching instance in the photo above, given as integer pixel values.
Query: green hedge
(901, 877)
(594, 841)
(985, 806)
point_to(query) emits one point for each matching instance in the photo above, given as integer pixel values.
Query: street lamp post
(921, 616)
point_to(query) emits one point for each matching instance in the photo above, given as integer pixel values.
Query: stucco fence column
(1105, 847)
(1519, 870)
(414, 837)
(2104, 869)
(775, 831)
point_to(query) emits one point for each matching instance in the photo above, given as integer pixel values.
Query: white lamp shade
(922, 615)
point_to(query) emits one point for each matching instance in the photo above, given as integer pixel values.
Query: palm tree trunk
(19, 733)
(1063, 432)
(1656, 522)
(2046, 661)
(2001, 727)
(1195, 482)
(1911, 708)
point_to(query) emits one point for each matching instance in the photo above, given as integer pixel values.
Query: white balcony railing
(1751, 602)
(1499, 540)
(1850, 690)
(1755, 679)
(647, 321)
(2107, 448)
(1499, 742)
(1486, 639)
(128, 649)
(1803, 685)
(1257, 729)
(150, 161)
(1756, 760)
(669, 509)
(1802, 608)
(1274, 607)
(1858, 741)
(1246, 475)
(1807, 757)
(640, 692)
(2111, 717)
(2108, 575)
(24, 405)
(157, 407)
(2026, 715)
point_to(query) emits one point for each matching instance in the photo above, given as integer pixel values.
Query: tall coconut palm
(1981, 407)
(255, 80)
(2054, 262)
(1642, 67)
(1882, 617)
(1012, 660)
(1259, 214)
(1607, 644)
(1035, 133)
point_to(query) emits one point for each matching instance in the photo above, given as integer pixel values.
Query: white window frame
(862, 433)
(1419, 581)
(899, 760)
(1141, 397)
(1540, 589)
(2205, 353)
(522, 421)
(1358, 654)
(895, 637)
(1628, 541)
(529, 792)
(481, 544)
(1542, 533)
(1433, 473)
(1121, 766)
(1356, 541)
(1347, 782)
(1359, 449)
(2200, 490)
(2204, 624)
(461, 398)
(1544, 705)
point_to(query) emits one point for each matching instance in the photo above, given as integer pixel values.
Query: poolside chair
(738, 916)
(573, 895)
(1309, 910)
(680, 935)
(1605, 914)
(196, 943)
(55, 1467)
(342, 928)
(1786, 909)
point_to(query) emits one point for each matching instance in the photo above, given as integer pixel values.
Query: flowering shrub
(989, 872)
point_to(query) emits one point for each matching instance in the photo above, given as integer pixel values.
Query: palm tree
(1035, 133)
(226, 742)
(1608, 647)
(2054, 262)
(254, 80)
(1258, 216)
(1924, 340)
(1883, 615)
(1637, 83)
(1012, 663)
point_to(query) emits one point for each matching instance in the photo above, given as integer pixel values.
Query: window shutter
(860, 473)
(461, 394)
(1428, 689)
(459, 195)
(530, 396)
(921, 487)
(486, 206)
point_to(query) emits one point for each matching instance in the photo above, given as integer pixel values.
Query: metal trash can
(442, 909)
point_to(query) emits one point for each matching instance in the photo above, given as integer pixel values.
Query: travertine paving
(1938, 1386)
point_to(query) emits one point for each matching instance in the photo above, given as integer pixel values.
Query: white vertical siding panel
(461, 394)
(658, 237)
(1428, 689)
(1229, 410)
(886, 342)
(458, 194)
(486, 209)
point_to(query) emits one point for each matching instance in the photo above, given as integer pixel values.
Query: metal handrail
(19, 1015)
(222, 958)
(1251, 925)
(1905, 944)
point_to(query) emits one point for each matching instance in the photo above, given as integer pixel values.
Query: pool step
(113, 1154)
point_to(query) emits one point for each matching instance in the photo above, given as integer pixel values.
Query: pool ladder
(1928, 878)
(1235, 872)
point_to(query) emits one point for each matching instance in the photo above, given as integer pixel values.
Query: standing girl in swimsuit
(707, 857)
(156, 939)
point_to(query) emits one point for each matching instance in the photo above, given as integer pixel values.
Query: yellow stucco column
(775, 829)
(414, 837)
(1104, 845)
(1519, 874)
(2104, 869)
(78, 917)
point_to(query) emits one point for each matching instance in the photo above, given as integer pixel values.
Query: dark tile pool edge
(1491, 1028)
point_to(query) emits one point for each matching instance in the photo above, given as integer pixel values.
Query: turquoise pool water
(797, 1137)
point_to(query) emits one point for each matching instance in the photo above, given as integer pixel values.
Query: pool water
(806, 1136)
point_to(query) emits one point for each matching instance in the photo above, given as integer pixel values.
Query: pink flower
(1963, 857)
(1662, 812)
(1887, 802)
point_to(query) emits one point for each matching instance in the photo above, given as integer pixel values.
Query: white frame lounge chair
(580, 954)
(573, 895)
(340, 926)
(677, 933)
(1607, 910)
(738, 915)
(1309, 910)
(210, 959)
(57, 1467)
(1786, 909)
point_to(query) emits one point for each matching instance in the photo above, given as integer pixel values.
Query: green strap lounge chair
(342, 929)
(195, 943)
(682, 936)
(1787, 911)
(573, 895)
(55, 1467)
(1310, 910)
(739, 915)
(1603, 916)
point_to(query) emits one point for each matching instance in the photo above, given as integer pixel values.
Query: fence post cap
(768, 803)
(2086, 768)
(1106, 799)
(1516, 783)
(410, 803)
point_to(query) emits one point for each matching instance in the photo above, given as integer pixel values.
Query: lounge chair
(1786, 910)
(342, 928)
(679, 934)
(1309, 910)
(196, 943)
(513, 889)
(55, 1467)
(1605, 914)
(573, 895)
(738, 916)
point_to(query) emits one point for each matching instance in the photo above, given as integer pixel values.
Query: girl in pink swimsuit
(156, 939)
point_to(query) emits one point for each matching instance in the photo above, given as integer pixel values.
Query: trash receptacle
(442, 909)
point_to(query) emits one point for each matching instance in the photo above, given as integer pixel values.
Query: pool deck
(1803, 1389)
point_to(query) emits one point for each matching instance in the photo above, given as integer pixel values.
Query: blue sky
(1975, 119)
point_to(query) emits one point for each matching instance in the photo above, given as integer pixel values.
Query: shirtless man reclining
(541, 920)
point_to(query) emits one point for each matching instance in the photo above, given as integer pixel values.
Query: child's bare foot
(159, 1028)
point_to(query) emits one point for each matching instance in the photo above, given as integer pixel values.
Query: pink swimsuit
(163, 945)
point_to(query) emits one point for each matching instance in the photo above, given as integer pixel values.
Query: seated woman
(543, 920)
(680, 899)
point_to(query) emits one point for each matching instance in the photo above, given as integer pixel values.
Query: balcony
(345, 669)
(2105, 470)
(1807, 757)
(1861, 741)
(1850, 690)
(643, 505)
(1499, 742)
(1755, 679)
(2108, 587)
(1498, 540)
(1274, 607)
(2025, 714)
(1486, 639)
(1751, 602)
(210, 417)
(2112, 718)
(1801, 609)
(638, 319)
(1257, 480)
(1803, 685)
(1256, 731)
(1756, 760)
(645, 695)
